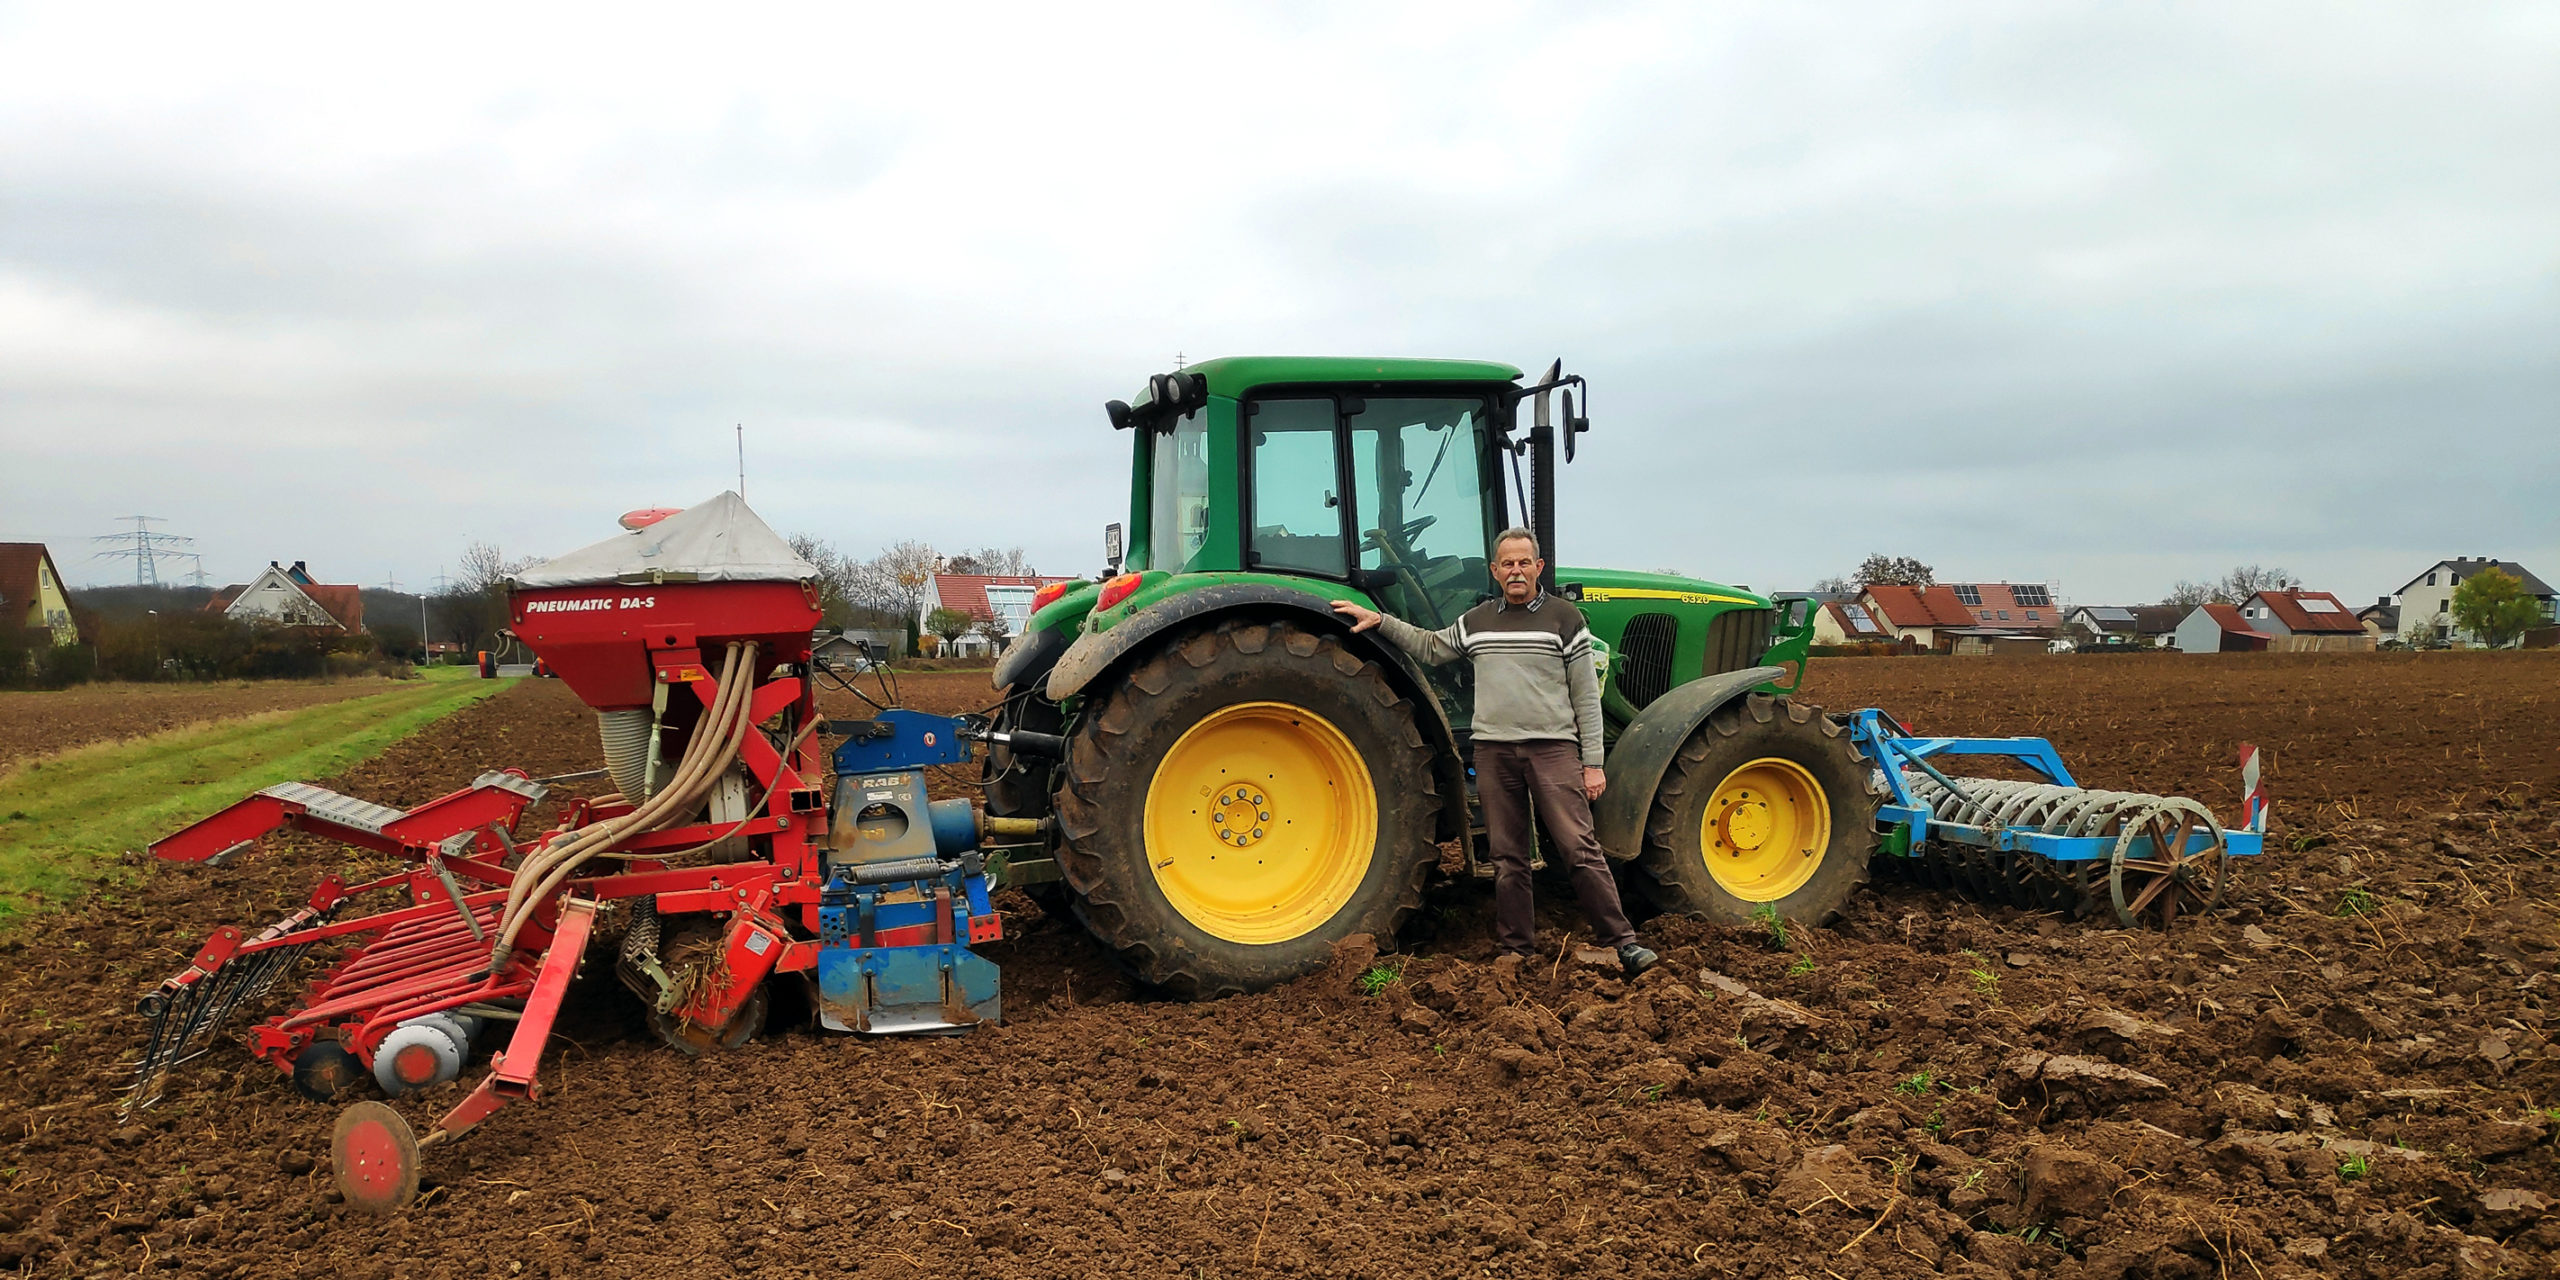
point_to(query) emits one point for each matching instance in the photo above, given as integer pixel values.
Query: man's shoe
(1636, 957)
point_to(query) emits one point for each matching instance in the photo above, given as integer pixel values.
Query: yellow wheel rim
(1261, 822)
(1765, 830)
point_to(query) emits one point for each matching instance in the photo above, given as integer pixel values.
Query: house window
(2004, 615)
(2431, 579)
(2031, 615)
(1986, 615)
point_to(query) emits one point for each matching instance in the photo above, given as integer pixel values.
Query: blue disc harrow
(2049, 844)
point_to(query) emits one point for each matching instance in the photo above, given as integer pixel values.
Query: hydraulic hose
(713, 748)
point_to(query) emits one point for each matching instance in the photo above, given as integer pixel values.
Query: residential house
(1851, 621)
(287, 597)
(2097, 625)
(2218, 628)
(32, 596)
(2016, 607)
(2426, 602)
(1921, 615)
(2154, 624)
(855, 650)
(983, 596)
(2381, 620)
(2299, 621)
(1981, 642)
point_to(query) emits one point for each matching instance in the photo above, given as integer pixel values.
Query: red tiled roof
(2232, 620)
(18, 561)
(2287, 607)
(1921, 607)
(967, 592)
(344, 603)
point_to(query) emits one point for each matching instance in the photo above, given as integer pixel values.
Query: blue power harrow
(2049, 845)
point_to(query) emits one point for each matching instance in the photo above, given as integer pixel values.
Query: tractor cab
(1382, 475)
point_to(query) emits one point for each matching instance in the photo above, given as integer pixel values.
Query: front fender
(1094, 654)
(1643, 752)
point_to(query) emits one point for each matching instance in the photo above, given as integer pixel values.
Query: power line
(197, 577)
(144, 548)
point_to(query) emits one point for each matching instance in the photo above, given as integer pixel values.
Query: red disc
(415, 1065)
(376, 1157)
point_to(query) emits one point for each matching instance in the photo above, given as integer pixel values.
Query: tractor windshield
(1420, 502)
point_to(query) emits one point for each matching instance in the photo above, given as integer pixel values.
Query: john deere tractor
(1243, 781)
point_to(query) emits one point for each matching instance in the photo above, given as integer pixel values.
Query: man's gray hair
(1517, 534)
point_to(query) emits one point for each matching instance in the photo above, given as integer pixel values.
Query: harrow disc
(375, 1155)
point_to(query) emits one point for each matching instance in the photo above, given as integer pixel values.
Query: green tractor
(1243, 782)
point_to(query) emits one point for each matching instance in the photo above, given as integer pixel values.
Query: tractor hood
(1601, 585)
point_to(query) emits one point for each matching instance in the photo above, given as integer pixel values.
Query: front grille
(1737, 638)
(1644, 657)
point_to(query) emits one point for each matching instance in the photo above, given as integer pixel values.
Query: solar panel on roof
(1968, 593)
(2108, 613)
(2030, 595)
(1858, 619)
(2316, 606)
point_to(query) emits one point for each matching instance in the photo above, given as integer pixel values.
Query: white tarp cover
(715, 541)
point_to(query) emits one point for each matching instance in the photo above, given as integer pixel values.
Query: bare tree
(1895, 571)
(1834, 586)
(474, 607)
(998, 560)
(2248, 580)
(839, 578)
(2187, 595)
(894, 582)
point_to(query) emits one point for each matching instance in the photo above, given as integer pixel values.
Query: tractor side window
(1418, 482)
(1297, 488)
(1178, 513)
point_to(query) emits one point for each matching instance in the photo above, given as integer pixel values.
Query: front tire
(1767, 807)
(1247, 796)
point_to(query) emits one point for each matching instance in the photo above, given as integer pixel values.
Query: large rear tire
(1247, 796)
(1767, 807)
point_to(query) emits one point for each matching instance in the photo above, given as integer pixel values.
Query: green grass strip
(64, 819)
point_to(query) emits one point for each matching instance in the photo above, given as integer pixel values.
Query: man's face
(1516, 570)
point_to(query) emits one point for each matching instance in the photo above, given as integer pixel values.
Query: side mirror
(1575, 423)
(1111, 545)
(1118, 412)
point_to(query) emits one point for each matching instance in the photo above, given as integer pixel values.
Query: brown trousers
(1507, 774)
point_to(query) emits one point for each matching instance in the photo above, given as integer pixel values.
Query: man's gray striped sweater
(1535, 677)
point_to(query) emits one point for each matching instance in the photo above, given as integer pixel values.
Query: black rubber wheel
(324, 1069)
(1189, 730)
(1017, 785)
(1773, 792)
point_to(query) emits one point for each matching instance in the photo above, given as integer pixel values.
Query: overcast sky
(2106, 295)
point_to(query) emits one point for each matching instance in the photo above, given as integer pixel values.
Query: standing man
(1537, 732)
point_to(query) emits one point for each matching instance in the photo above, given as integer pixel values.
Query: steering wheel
(1403, 548)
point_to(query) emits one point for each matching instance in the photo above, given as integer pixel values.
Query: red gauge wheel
(376, 1157)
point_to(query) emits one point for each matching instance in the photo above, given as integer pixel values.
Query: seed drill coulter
(1193, 755)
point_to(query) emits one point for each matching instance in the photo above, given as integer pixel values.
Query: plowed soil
(2345, 1072)
(41, 723)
